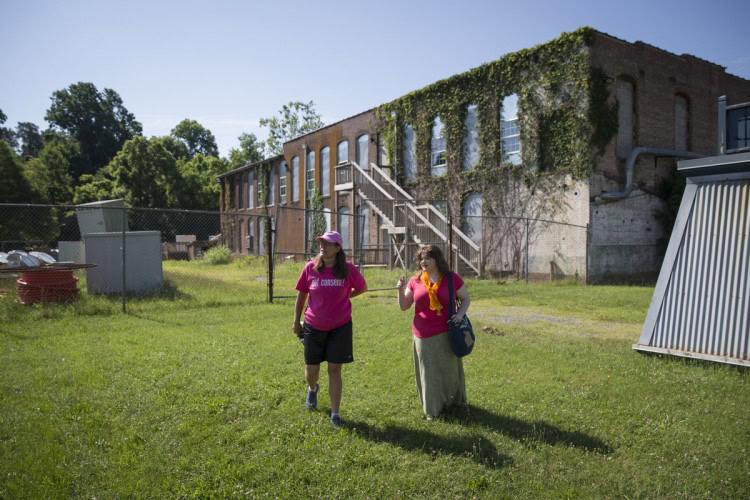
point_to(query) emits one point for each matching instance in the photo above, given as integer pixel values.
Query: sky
(228, 64)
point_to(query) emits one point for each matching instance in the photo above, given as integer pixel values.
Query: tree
(97, 120)
(14, 187)
(31, 139)
(250, 151)
(7, 134)
(199, 189)
(22, 224)
(49, 173)
(295, 119)
(317, 221)
(155, 173)
(197, 138)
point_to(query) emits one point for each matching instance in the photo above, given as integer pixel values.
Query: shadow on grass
(527, 432)
(475, 447)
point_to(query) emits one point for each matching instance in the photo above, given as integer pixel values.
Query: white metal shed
(701, 303)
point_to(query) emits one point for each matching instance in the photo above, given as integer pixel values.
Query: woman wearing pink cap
(438, 372)
(330, 281)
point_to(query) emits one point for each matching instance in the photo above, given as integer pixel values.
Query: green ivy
(566, 118)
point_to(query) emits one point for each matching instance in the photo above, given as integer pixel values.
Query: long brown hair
(340, 269)
(435, 253)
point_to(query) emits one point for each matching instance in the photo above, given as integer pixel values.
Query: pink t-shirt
(328, 304)
(426, 321)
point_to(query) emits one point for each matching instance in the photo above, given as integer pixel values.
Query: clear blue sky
(227, 64)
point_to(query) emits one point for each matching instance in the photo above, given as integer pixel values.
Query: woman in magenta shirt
(329, 281)
(438, 372)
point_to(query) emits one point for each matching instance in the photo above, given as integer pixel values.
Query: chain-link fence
(295, 233)
(524, 248)
(140, 254)
(202, 257)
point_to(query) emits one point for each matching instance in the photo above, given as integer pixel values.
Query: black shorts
(334, 346)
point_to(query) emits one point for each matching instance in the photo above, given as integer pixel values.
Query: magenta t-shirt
(328, 305)
(426, 321)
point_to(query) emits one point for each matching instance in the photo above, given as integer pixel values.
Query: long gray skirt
(439, 374)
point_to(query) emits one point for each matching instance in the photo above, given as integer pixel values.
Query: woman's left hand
(456, 318)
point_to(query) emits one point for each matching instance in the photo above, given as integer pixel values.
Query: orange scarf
(435, 304)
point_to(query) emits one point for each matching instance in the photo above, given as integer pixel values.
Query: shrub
(217, 255)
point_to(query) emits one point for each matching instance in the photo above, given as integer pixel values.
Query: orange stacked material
(49, 285)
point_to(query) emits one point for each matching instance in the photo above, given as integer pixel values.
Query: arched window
(325, 171)
(327, 215)
(510, 132)
(250, 241)
(625, 117)
(362, 156)
(282, 182)
(363, 233)
(410, 153)
(343, 225)
(471, 138)
(294, 181)
(271, 186)
(251, 189)
(383, 159)
(241, 195)
(681, 123)
(261, 236)
(342, 152)
(471, 221)
(438, 160)
(310, 174)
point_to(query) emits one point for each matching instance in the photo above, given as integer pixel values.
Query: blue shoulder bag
(462, 335)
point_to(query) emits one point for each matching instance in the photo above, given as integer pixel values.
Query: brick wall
(624, 234)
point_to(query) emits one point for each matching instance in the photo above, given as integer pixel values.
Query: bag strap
(451, 293)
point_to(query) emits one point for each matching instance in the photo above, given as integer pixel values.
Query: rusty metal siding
(701, 304)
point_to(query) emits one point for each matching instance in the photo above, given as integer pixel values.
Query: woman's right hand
(297, 328)
(401, 282)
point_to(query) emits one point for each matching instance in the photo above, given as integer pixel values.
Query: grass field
(199, 392)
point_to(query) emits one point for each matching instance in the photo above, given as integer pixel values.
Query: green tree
(197, 139)
(31, 139)
(145, 174)
(7, 134)
(49, 172)
(317, 221)
(199, 188)
(14, 187)
(295, 119)
(93, 188)
(97, 120)
(250, 151)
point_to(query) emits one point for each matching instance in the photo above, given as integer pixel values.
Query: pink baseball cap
(331, 237)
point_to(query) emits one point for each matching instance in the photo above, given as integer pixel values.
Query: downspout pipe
(611, 196)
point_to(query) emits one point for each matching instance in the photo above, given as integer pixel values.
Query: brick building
(541, 134)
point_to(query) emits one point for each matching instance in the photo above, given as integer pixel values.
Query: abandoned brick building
(585, 130)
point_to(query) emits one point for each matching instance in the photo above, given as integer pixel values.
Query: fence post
(124, 223)
(527, 251)
(269, 253)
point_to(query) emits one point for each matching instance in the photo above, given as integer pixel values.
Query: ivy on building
(566, 119)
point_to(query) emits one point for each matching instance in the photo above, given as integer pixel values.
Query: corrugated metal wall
(706, 304)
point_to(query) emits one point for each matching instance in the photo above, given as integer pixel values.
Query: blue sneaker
(312, 398)
(336, 421)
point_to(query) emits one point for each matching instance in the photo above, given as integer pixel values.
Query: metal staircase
(408, 223)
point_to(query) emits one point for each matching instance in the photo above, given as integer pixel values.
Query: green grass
(200, 393)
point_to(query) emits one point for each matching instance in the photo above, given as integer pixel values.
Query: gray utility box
(101, 216)
(143, 271)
